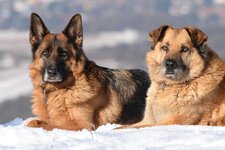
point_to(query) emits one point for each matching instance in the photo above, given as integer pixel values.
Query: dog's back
(129, 86)
(132, 92)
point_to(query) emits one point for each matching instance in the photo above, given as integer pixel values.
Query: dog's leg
(135, 125)
(81, 118)
(172, 120)
(145, 124)
(40, 124)
(86, 125)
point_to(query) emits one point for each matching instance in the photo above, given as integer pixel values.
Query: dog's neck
(164, 85)
(45, 91)
(45, 100)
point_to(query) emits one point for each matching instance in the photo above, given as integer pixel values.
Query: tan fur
(85, 105)
(194, 98)
(89, 95)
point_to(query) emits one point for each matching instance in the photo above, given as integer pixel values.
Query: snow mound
(14, 135)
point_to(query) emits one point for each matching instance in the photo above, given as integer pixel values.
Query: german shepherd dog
(188, 80)
(72, 92)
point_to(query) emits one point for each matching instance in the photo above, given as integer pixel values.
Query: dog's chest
(169, 101)
(59, 102)
(56, 104)
(164, 104)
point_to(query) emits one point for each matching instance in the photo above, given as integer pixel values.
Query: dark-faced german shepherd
(72, 92)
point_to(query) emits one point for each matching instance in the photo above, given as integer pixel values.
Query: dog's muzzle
(171, 67)
(51, 74)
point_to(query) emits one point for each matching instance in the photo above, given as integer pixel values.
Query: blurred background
(115, 35)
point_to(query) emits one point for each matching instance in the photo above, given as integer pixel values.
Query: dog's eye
(45, 53)
(64, 54)
(184, 49)
(164, 48)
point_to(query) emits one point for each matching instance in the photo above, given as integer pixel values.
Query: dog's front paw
(36, 124)
(122, 127)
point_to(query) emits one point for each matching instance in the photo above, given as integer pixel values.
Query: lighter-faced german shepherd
(187, 80)
(72, 92)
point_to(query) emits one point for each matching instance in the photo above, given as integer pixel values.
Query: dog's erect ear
(197, 36)
(74, 30)
(157, 35)
(37, 29)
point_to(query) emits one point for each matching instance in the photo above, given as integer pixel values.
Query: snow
(14, 135)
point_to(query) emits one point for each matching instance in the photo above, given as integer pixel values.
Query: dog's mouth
(172, 74)
(55, 79)
(177, 75)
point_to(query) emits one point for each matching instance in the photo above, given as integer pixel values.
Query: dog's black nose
(51, 70)
(171, 64)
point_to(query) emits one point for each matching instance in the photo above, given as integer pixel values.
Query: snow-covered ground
(14, 135)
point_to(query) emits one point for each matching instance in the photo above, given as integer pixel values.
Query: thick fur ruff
(193, 96)
(72, 92)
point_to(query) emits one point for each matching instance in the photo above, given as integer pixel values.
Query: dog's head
(55, 55)
(177, 55)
